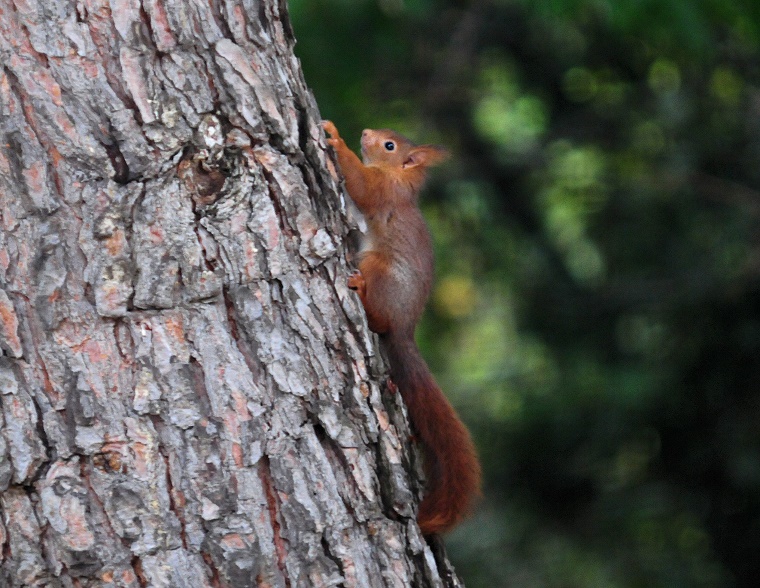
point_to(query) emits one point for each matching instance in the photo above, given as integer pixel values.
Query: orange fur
(393, 282)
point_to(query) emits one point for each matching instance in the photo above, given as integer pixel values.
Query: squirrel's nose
(365, 132)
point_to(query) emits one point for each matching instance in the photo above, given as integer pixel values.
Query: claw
(356, 281)
(330, 129)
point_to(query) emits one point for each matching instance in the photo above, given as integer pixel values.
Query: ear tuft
(425, 156)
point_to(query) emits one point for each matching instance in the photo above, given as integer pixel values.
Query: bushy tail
(451, 462)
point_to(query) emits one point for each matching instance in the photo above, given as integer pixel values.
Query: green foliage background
(596, 318)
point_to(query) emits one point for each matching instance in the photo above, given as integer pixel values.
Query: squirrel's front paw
(331, 130)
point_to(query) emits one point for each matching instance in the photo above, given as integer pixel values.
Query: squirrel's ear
(425, 155)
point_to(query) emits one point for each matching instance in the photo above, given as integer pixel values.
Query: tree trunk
(190, 396)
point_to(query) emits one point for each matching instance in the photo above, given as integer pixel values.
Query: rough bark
(190, 396)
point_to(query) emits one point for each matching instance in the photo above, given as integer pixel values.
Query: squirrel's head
(386, 148)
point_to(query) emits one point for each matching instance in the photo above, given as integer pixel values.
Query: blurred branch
(454, 70)
(727, 192)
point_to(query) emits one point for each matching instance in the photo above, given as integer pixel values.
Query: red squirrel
(393, 281)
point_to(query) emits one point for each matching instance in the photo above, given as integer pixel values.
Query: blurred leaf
(596, 315)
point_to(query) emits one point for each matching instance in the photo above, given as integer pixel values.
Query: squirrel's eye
(389, 145)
